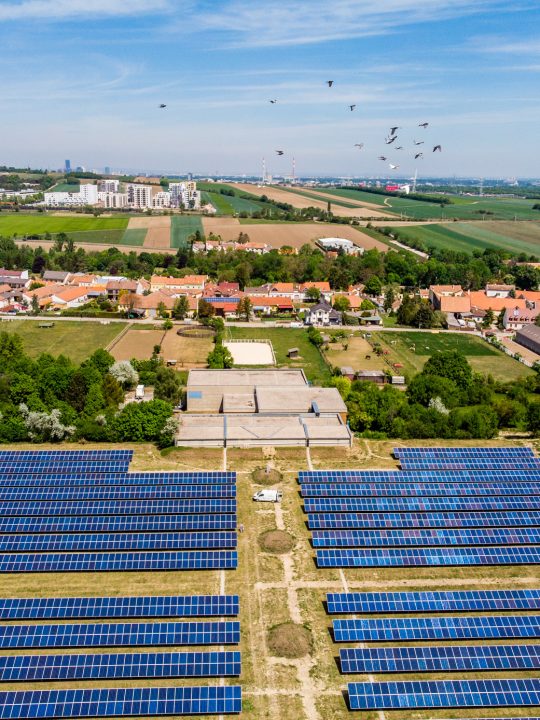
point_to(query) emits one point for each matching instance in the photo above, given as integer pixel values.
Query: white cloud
(494, 44)
(274, 22)
(77, 9)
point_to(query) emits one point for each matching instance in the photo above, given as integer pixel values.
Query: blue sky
(82, 79)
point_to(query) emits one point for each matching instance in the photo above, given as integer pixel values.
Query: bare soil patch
(277, 542)
(189, 352)
(263, 477)
(151, 222)
(290, 640)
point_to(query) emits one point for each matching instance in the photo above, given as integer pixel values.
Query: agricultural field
(75, 339)
(182, 226)
(38, 224)
(412, 350)
(280, 589)
(139, 341)
(516, 237)
(65, 187)
(462, 208)
(282, 340)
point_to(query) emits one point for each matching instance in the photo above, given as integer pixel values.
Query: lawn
(65, 187)
(219, 201)
(463, 208)
(413, 349)
(282, 339)
(182, 226)
(39, 224)
(134, 236)
(516, 237)
(75, 339)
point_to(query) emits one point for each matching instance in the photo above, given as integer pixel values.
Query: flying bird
(424, 125)
(437, 147)
(382, 157)
(418, 155)
(394, 167)
(329, 83)
(419, 142)
(359, 145)
(273, 102)
(352, 107)
(162, 105)
(390, 140)
(280, 152)
(393, 130)
(399, 147)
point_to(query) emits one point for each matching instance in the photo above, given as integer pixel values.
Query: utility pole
(263, 178)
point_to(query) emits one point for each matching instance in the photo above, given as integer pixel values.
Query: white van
(139, 392)
(268, 496)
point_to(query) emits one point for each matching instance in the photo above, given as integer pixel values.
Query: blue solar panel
(429, 557)
(406, 489)
(122, 479)
(421, 504)
(121, 702)
(453, 658)
(117, 492)
(457, 458)
(407, 629)
(46, 668)
(119, 507)
(64, 467)
(119, 561)
(116, 542)
(321, 521)
(435, 601)
(444, 693)
(120, 634)
(419, 538)
(44, 455)
(311, 477)
(110, 523)
(118, 607)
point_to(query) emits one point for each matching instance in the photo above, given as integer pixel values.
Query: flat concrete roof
(277, 400)
(246, 378)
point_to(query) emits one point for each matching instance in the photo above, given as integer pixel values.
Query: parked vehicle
(268, 496)
(139, 392)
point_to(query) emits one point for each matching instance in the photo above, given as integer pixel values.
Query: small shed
(46, 325)
(347, 372)
(397, 380)
(293, 352)
(374, 376)
(171, 363)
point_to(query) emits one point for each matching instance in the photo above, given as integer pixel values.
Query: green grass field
(219, 201)
(282, 339)
(413, 349)
(182, 226)
(304, 193)
(463, 208)
(65, 187)
(75, 339)
(133, 236)
(241, 201)
(516, 237)
(20, 224)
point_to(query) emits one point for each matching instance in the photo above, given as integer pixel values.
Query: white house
(322, 314)
(333, 244)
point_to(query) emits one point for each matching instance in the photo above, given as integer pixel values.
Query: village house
(189, 282)
(322, 314)
(517, 318)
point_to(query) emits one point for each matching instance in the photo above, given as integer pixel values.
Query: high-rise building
(107, 170)
(139, 196)
(68, 166)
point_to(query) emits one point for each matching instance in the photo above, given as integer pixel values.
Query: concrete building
(161, 199)
(139, 196)
(529, 337)
(113, 199)
(186, 195)
(87, 194)
(108, 186)
(333, 244)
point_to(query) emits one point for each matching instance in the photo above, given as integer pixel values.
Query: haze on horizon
(83, 80)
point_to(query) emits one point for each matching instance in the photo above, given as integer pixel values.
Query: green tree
(167, 385)
(35, 305)
(162, 311)
(220, 358)
(181, 308)
(313, 293)
(341, 303)
(206, 309)
(112, 391)
(168, 324)
(489, 318)
(244, 308)
(314, 336)
(389, 299)
(141, 421)
(424, 316)
(450, 364)
(373, 286)
(367, 305)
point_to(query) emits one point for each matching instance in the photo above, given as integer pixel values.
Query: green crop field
(241, 201)
(65, 187)
(413, 349)
(463, 208)
(133, 236)
(282, 339)
(20, 224)
(75, 339)
(182, 226)
(313, 196)
(516, 237)
(219, 201)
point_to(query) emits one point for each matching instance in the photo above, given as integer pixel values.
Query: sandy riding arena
(259, 352)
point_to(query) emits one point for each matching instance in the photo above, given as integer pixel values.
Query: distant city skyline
(85, 81)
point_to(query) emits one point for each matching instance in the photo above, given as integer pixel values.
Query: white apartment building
(161, 199)
(113, 199)
(86, 195)
(139, 196)
(185, 194)
(109, 186)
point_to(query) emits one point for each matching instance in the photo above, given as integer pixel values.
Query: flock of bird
(389, 140)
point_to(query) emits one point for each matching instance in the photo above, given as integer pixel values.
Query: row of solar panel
(119, 507)
(406, 629)
(112, 524)
(421, 504)
(471, 658)
(435, 601)
(118, 492)
(429, 557)
(419, 538)
(117, 542)
(119, 561)
(463, 451)
(421, 476)
(45, 455)
(36, 668)
(444, 693)
(321, 521)
(78, 479)
(406, 489)
(66, 467)
(120, 634)
(120, 702)
(118, 607)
